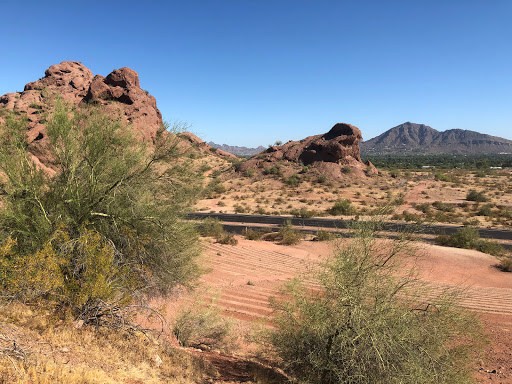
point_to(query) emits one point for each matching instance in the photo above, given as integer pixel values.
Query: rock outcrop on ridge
(329, 153)
(204, 147)
(119, 93)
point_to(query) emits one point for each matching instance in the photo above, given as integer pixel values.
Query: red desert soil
(247, 274)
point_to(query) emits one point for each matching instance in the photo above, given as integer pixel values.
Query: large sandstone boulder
(119, 93)
(328, 154)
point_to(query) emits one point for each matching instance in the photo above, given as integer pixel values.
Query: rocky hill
(118, 94)
(410, 138)
(333, 154)
(235, 150)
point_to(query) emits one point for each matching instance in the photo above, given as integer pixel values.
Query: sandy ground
(246, 275)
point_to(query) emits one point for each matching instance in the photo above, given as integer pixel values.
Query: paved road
(486, 233)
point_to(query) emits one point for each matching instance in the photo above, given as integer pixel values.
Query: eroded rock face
(204, 147)
(329, 153)
(119, 93)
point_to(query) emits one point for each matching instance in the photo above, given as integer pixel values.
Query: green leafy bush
(342, 207)
(104, 223)
(293, 180)
(364, 324)
(443, 206)
(505, 264)
(468, 238)
(254, 234)
(476, 196)
(274, 170)
(288, 235)
(202, 327)
(212, 227)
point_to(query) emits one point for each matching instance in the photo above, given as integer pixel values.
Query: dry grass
(34, 349)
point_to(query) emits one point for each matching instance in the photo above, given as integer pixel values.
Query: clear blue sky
(252, 72)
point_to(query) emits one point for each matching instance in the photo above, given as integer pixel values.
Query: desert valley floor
(243, 277)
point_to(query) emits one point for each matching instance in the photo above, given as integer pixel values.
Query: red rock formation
(119, 93)
(329, 153)
(204, 147)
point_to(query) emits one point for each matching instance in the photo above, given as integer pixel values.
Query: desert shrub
(226, 238)
(214, 188)
(240, 208)
(397, 200)
(441, 177)
(212, 227)
(485, 210)
(322, 235)
(253, 234)
(35, 106)
(201, 327)
(347, 169)
(342, 207)
(364, 324)
(293, 180)
(443, 206)
(249, 173)
(109, 200)
(274, 170)
(468, 238)
(505, 264)
(476, 196)
(321, 179)
(424, 207)
(288, 235)
(303, 213)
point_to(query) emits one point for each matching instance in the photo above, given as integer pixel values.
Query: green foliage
(441, 177)
(485, 210)
(342, 207)
(468, 238)
(476, 196)
(201, 327)
(214, 188)
(322, 235)
(303, 213)
(104, 223)
(441, 161)
(35, 106)
(254, 234)
(288, 235)
(362, 323)
(321, 179)
(506, 264)
(274, 170)
(293, 180)
(212, 227)
(443, 206)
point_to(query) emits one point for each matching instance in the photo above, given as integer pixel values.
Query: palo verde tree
(104, 226)
(361, 318)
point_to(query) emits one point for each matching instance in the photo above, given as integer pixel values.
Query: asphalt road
(485, 233)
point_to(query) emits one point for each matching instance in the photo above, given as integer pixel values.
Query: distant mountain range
(410, 138)
(239, 151)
